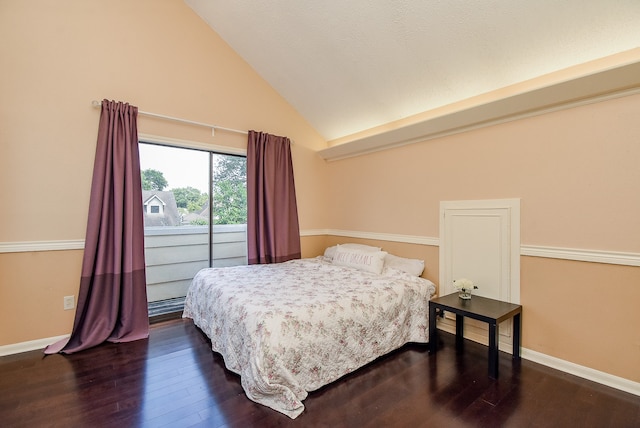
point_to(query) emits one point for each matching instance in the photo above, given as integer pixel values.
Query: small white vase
(465, 295)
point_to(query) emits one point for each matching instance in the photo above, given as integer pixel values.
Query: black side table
(490, 311)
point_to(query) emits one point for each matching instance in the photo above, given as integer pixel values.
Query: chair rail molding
(32, 246)
(594, 256)
(583, 255)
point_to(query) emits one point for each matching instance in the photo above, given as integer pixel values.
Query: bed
(293, 327)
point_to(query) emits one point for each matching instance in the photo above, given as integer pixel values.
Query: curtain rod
(177, 119)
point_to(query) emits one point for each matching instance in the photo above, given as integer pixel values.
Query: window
(195, 217)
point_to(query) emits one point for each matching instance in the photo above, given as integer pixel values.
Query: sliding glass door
(229, 214)
(195, 217)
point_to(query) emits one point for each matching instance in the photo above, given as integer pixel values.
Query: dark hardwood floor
(173, 379)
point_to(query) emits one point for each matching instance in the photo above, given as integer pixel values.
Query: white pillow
(366, 260)
(330, 251)
(413, 267)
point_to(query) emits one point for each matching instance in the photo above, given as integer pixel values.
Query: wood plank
(174, 379)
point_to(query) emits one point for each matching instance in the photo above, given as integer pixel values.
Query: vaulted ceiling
(351, 65)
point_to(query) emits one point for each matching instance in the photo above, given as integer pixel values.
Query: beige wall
(585, 313)
(158, 55)
(575, 171)
(577, 174)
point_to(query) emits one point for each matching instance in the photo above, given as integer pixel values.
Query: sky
(180, 167)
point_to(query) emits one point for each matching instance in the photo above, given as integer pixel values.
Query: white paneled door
(480, 240)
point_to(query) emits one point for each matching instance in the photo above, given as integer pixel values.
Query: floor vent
(168, 306)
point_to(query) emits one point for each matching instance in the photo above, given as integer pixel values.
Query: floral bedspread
(292, 327)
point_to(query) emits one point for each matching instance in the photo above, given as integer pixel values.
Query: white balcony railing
(175, 254)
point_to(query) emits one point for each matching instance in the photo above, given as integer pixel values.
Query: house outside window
(153, 204)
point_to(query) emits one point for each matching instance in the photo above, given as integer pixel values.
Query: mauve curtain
(112, 300)
(273, 232)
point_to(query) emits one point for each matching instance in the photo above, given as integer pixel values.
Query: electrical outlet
(69, 302)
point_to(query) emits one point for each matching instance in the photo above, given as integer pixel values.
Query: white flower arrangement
(464, 285)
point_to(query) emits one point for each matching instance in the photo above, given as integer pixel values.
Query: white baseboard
(583, 372)
(31, 345)
(597, 376)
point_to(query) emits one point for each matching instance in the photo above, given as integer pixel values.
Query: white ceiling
(351, 65)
